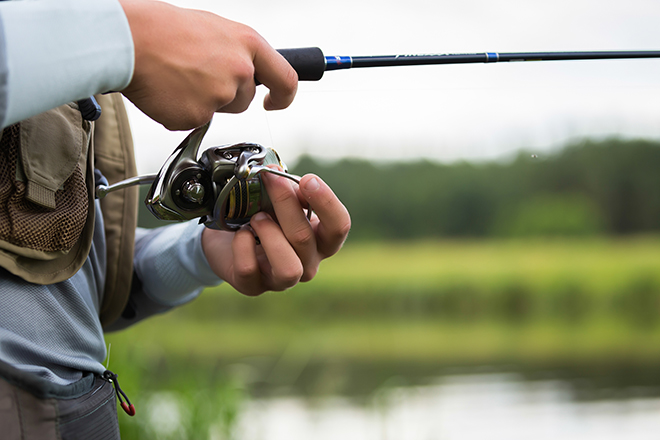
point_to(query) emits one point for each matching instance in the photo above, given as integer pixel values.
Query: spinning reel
(221, 186)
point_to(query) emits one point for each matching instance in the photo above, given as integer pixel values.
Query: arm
(170, 270)
(54, 52)
(177, 65)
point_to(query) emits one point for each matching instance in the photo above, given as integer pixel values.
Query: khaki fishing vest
(47, 197)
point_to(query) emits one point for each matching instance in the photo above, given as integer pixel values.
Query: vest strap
(114, 157)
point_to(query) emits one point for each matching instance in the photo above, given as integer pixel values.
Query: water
(475, 406)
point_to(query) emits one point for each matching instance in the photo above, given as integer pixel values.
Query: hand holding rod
(310, 63)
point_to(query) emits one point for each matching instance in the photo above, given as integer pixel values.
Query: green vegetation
(445, 302)
(409, 311)
(549, 264)
(609, 187)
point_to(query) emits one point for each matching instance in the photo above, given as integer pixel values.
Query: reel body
(221, 186)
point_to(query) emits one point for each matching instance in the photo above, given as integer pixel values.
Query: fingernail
(259, 217)
(312, 184)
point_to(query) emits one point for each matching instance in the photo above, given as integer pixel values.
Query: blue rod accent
(492, 57)
(338, 62)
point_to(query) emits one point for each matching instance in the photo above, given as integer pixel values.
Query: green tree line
(592, 187)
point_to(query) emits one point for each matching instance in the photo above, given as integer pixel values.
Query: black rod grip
(309, 62)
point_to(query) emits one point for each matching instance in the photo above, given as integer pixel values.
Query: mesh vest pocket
(29, 225)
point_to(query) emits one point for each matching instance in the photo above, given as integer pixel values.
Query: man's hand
(291, 249)
(190, 64)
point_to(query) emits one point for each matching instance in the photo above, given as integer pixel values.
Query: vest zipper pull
(126, 406)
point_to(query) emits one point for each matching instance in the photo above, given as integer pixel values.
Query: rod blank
(310, 63)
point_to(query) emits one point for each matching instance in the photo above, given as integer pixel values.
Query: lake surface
(469, 406)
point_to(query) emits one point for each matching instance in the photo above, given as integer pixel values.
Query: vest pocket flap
(52, 144)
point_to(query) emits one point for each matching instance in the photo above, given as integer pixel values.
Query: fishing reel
(221, 185)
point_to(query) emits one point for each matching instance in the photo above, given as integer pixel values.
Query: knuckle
(283, 94)
(345, 228)
(339, 234)
(224, 95)
(290, 276)
(241, 72)
(246, 270)
(290, 86)
(251, 37)
(244, 71)
(303, 236)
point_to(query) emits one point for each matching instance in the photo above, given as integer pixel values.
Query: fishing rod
(222, 185)
(311, 63)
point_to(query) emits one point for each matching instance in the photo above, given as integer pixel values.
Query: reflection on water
(488, 406)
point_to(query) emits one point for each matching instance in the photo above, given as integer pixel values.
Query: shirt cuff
(63, 51)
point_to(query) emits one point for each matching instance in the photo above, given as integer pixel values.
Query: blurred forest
(606, 187)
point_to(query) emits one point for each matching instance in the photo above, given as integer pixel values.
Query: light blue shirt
(53, 52)
(54, 331)
(57, 51)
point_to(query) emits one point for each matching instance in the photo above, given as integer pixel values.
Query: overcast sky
(446, 113)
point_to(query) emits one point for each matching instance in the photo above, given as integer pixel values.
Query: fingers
(313, 241)
(273, 71)
(293, 222)
(251, 269)
(290, 249)
(190, 64)
(281, 267)
(334, 219)
(246, 271)
(245, 91)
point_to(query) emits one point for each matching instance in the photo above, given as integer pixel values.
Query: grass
(445, 343)
(594, 262)
(449, 301)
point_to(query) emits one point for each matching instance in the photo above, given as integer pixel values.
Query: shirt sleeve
(171, 264)
(54, 52)
(170, 270)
